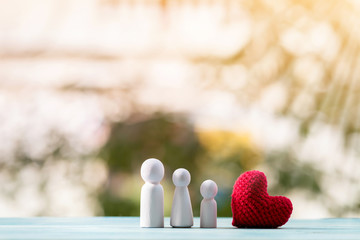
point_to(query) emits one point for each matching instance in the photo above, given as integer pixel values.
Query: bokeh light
(89, 89)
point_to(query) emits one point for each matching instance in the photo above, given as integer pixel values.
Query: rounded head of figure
(208, 189)
(181, 177)
(152, 170)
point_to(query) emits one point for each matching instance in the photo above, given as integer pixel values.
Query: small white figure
(152, 194)
(181, 212)
(208, 208)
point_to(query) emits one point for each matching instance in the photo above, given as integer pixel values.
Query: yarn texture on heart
(252, 207)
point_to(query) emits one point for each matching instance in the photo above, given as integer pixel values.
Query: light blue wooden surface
(128, 228)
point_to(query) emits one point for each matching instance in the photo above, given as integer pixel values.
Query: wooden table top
(128, 228)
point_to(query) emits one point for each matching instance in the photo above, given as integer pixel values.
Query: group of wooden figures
(152, 199)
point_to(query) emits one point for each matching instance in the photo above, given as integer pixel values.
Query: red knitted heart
(252, 206)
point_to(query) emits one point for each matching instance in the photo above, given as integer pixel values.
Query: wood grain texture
(128, 228)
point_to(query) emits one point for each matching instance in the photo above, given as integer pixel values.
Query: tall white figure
(181, 212)
(208, 208)
(152, 194)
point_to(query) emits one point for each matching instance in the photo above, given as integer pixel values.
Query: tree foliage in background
(168, 138)
(217, 155)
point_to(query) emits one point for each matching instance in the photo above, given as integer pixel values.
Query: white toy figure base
(208, 208)
(152, 194)
(181, 212)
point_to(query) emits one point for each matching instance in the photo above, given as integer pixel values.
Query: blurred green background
(89, 89)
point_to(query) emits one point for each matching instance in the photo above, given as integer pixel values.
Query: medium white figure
(152, 194)
(208, 208)
(181, 212)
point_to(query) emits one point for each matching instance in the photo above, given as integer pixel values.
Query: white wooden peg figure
(181, 212)
(152, 194)
(208, 208)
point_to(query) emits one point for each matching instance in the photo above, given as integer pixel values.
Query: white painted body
(208, 207)
(208, 213)
(152, 206)
(181, 212)
(152, 194)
